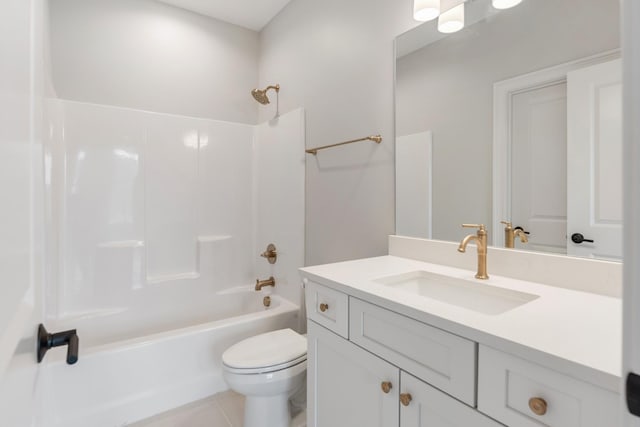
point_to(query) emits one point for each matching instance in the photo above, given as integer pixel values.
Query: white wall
(336, 59)
(151, 56)
(447, 88)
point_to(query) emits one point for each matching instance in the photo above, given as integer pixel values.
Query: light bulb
(426, 10)
(452, 20)
(505, 4)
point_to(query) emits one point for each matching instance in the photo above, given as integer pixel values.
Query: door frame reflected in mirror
(503, 94)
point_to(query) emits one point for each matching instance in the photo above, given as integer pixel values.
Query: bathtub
(144, 372)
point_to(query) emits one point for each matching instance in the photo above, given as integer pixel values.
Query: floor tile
(225, 409)
(204, 413)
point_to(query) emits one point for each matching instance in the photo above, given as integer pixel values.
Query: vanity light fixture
(452, 20)
(505, 4)
(426, 10)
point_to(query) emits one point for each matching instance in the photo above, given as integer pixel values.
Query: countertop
(576, 333)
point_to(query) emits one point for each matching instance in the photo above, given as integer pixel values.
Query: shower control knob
(270, 254)
(579, 238)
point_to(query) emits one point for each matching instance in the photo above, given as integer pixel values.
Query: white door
(20, 222)
(539, 168)
(345, 384)
(594, 161)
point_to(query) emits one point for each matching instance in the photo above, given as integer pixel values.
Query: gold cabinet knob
(386, 386)
(405, 398)
(324, 307)
(538, 405)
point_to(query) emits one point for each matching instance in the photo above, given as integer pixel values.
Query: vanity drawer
(444, 360)
(508, 385)
(328, 308)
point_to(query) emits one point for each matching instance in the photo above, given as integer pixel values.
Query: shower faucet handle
(47, 341)
(270, 254)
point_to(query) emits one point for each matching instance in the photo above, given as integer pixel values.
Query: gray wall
(147, 55)
(447, 87)
(336, 58)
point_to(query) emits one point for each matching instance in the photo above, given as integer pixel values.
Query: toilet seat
(268, 352)
(266, 369)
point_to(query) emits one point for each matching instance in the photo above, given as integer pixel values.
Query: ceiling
(252, 14)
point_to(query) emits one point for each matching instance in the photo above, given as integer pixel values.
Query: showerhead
(261, 95)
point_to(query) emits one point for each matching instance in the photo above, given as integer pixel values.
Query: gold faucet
(481, 243)
(262, 283)
(510, 235)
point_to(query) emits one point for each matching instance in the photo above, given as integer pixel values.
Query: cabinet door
(345, 384)
(429, 407)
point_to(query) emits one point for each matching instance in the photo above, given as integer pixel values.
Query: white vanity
(395, 341)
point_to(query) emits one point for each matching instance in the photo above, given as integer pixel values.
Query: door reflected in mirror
(515, 118)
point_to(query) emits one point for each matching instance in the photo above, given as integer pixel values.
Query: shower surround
(155, 226)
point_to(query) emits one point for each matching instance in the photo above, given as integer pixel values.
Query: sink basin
(469, 294)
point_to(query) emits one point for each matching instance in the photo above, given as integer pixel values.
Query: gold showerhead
(261, 95)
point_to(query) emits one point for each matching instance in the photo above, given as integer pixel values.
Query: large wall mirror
(517, 117)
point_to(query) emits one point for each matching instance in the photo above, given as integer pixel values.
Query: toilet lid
(266, 350)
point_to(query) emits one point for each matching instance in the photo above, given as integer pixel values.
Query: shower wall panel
(101, 205)
(151, 212)
(171, 177)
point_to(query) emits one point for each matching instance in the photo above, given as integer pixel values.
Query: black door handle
(47, 341)
(579, 238)
(633, 394)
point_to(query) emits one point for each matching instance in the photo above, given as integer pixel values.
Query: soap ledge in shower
(190, 275)
(213, 238)
(122, 244)
(172, 277)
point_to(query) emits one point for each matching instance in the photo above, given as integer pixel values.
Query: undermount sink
(469, 294)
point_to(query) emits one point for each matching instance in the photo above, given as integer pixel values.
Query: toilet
(267, 369)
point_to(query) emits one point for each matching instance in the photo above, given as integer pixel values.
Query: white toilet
(267, 369)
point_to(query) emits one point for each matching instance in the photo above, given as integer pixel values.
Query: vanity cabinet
(380, 374)
(371, 366)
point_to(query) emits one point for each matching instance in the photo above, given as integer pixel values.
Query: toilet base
(267, 411)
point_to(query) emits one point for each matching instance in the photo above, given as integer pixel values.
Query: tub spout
(262, 283)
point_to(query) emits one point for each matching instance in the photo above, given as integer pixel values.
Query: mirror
(516, 117)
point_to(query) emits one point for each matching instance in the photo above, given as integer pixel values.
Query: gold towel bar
(375, 138)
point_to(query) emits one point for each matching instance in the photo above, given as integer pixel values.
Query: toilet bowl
(267, 369)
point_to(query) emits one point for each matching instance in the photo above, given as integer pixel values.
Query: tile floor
(222, 410)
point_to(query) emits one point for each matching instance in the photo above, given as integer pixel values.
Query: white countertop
(576, 333)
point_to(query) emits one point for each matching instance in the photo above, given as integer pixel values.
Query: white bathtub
(125, 380)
